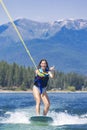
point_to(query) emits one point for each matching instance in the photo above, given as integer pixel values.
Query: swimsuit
(41, 80)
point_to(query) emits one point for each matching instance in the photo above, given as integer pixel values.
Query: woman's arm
(51, 72)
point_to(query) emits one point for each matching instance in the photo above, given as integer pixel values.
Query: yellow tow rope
(19, 35)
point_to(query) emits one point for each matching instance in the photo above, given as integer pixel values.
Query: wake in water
(62, 118)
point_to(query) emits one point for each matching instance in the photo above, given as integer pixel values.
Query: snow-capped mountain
(73, 24)
(32, 30)
(63, 43)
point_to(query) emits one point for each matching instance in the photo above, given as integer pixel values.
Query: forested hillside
(15, 77)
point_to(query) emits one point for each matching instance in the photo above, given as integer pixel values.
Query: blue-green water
(68, 110)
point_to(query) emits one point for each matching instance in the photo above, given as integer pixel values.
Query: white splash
(64, 118)
(18, 117)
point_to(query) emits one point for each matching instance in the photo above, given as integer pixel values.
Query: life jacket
(41, 79)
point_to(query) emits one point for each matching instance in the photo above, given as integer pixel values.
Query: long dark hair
(39, 65)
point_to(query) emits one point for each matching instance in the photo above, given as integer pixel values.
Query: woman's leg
(46, 102)
(37, 97)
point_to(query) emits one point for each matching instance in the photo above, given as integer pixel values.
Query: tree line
(16, 77)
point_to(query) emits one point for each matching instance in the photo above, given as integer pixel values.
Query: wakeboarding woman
(42, 74)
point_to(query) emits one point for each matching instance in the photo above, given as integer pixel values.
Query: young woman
(40, 83)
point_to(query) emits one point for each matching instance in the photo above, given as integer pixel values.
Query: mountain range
(63, 43)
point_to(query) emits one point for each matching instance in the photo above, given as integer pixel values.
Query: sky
(44, 10)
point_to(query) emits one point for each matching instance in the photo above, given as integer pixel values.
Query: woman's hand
(36, 71)
(52, 71)
(52, 68)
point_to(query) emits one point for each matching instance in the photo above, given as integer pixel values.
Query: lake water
(68, 110)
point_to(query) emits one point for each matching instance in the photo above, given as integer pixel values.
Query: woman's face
(43, 65)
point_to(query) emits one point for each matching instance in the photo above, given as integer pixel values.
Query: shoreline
(11, 91)
(50, 91)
